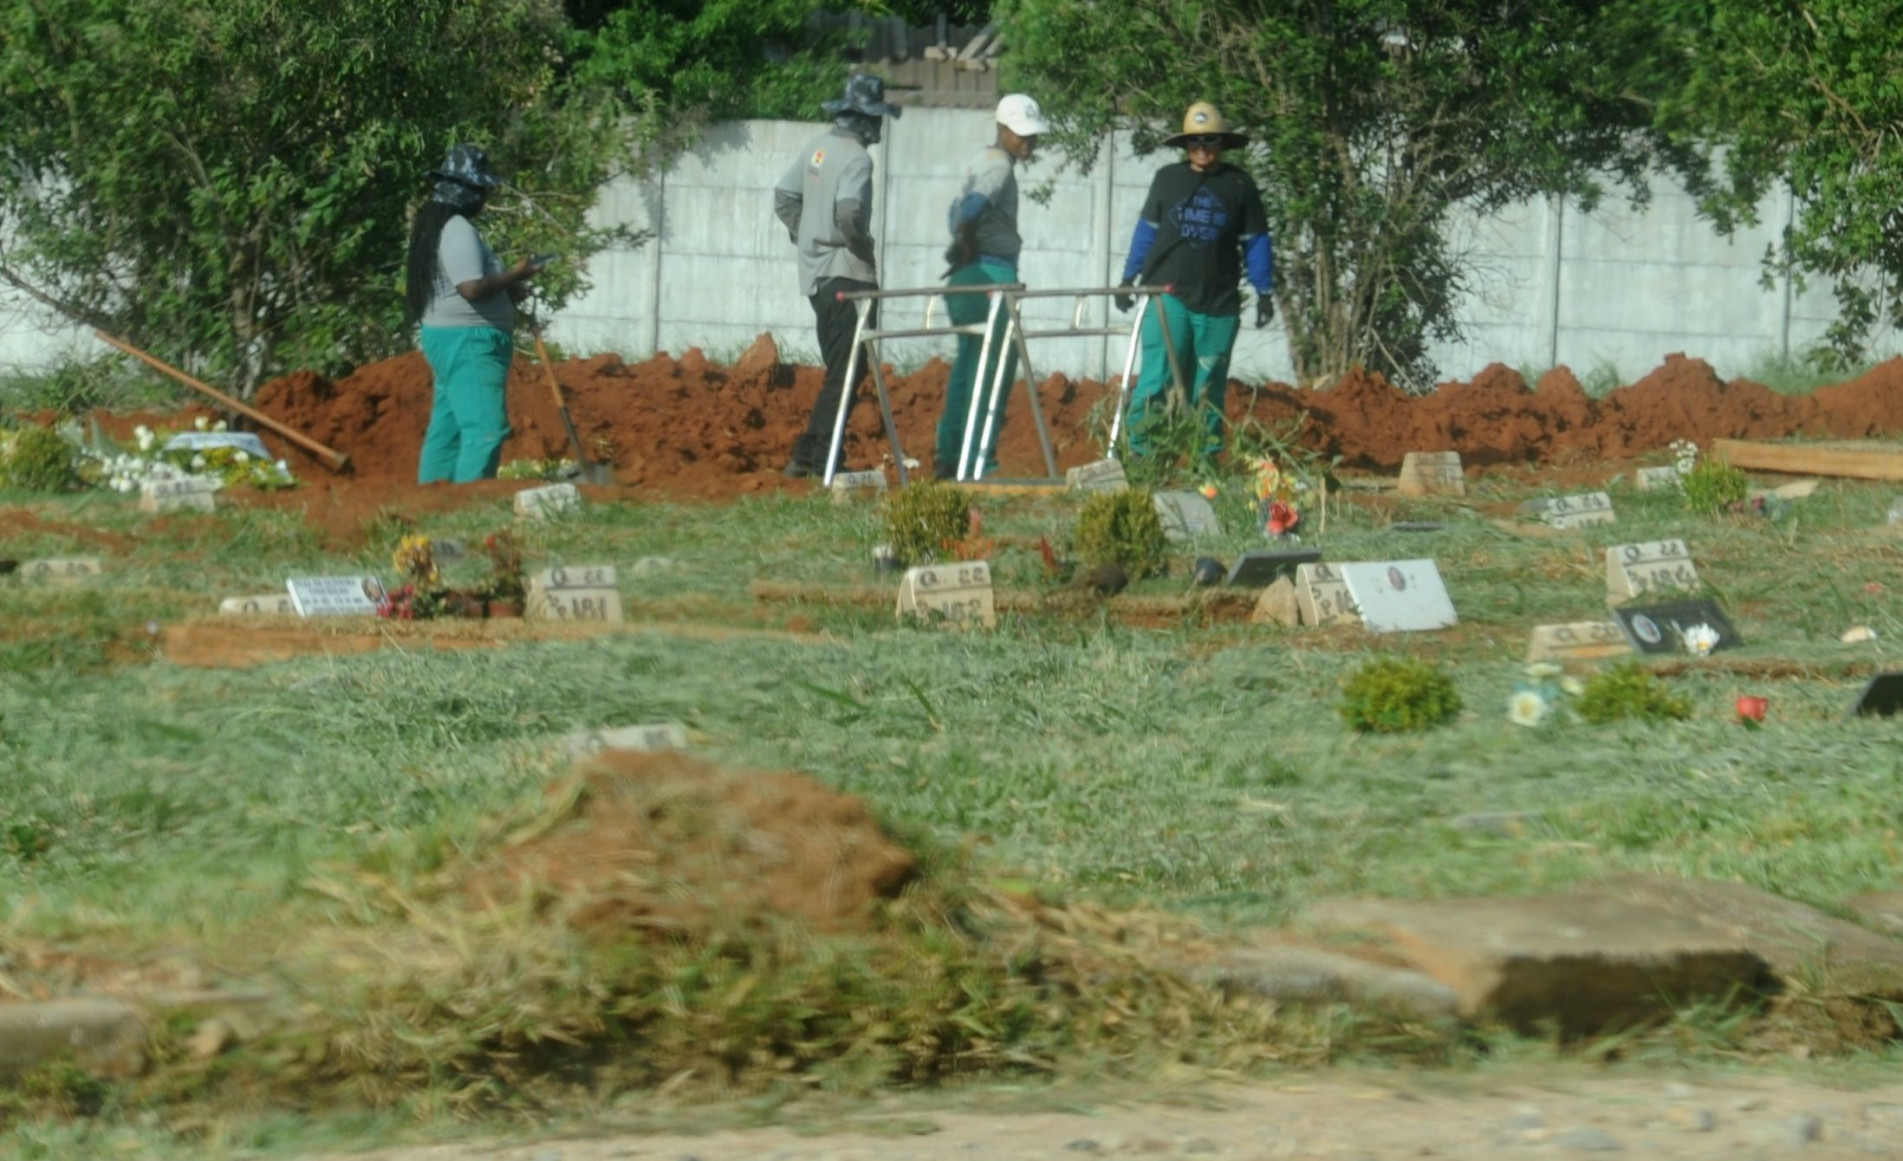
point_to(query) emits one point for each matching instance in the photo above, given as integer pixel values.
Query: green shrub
(1630, 691)
(37, 459)
(1390, 696)
(1122, 527)
(1712, 486)
(923, 520)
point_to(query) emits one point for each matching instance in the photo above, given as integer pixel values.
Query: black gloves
(1264, 310)
(964, 248)
(1126, 301)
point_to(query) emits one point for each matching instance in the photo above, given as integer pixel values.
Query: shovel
(589, 471)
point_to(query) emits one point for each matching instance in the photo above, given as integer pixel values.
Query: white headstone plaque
(191, 494)
(335, 596)
(1664, 476)
(957, 594)
(1649, 570)
(602, 605)
(264, 605)
(548, 502)
(640, 739)
(1399, 596)
(1101, 476)
(1320, 595)
(1578, 641)
(846, 485)
(56, 570)
(1186, 516)
(1572, 511)
(1432, 474)
(576, 576)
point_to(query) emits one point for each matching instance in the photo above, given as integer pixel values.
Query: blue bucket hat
(464, 178)
(865, 95)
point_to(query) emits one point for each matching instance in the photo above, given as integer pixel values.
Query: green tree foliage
(1373, 121)
(228, 182)
(1764, 94)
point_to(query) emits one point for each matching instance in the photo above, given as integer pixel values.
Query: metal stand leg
(1014, 337)
(977, 388)
(1127, 388)
(845, 398)
(891, 427)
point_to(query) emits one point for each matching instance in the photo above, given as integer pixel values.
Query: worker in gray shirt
(984, 252)
(825, 201)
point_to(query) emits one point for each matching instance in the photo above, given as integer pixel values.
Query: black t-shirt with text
(1200, 220)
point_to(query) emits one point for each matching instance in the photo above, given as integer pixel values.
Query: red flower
(1751, 710)
(1282, 518)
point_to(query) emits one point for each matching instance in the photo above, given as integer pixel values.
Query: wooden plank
(1811, 459)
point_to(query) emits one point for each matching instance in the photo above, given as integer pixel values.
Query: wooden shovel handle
(541, 352)
(335, 459)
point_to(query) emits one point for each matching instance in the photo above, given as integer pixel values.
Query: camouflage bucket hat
(865, 95)
(464, 179)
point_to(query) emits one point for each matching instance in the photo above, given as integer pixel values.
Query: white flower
(1527, 708)
(1543, 669)
(202, 424)
(1699, 640)
(219, 426)
(1572, 686)
(1858, 635)
(283, 467)
(198, 462)
(145, 437)
(241, 457)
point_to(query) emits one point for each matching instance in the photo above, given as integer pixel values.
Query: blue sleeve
(1140, 243)
(967, 209)
(1260, 260)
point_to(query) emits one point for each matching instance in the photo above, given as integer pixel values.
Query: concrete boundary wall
(1620, 287)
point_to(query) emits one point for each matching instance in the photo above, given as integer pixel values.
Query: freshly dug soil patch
(690, 428)
(672, 847)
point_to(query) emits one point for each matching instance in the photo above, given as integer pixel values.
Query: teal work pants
(1203, 343)
(469, 418)
(967, 309)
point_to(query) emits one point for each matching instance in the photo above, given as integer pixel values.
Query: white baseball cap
(1020, 114)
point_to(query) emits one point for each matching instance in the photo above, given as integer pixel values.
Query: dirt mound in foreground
(672, 846)
(688, 427)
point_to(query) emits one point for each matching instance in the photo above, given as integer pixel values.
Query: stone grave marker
(846, 485)
(1322, 596)
(192, 494)
(59, 570)
(549, 502)
(1256, 569)
(1659, 478)
(1186, 516)
(334, 596)
(1577, 641)
(1649, 569)
(1101, 476)
(1399, 596)
(1432, 474)
(266, 604)
(574, 593)
(1656, 628)
(639, 739)
(1572, 511)
(959, 593)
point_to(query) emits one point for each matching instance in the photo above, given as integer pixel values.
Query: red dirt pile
(673, 847)
(690, 428)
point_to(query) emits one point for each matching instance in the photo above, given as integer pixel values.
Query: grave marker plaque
(1659, 478)
(1649, 569)
(1322, 596)
(959, 594)
(1577, 641)
(335, 596)
(195, 494)
(639, 739)
(576, 576)
(547, 503)
(56, 570)
(264, 605)
(1432, 474)
(846, 485)
(1656, 628)
(1186, 516)
(1101, 476)
(1572, 511)
(1399, 596)
(1257, 569)
(587, 605)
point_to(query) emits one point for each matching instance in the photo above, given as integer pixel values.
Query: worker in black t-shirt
(1201, 223)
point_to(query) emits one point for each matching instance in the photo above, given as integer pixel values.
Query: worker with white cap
(984, 252)
(1201, 230)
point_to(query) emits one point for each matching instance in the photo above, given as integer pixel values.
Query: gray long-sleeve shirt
(825, 201)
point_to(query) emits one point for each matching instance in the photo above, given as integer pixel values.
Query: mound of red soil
(688, 427)
(671, 846)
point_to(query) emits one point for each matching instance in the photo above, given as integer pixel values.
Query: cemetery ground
(291, 867)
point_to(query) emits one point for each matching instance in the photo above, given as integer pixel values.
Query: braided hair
(426, 234)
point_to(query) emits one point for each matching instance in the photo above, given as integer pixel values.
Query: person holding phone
(464, 300)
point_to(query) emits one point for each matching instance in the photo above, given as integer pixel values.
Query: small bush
(1391, 696)
(1121, 527)
(924, 520)
(1630, 691)
(37, 459)
(1712, 486)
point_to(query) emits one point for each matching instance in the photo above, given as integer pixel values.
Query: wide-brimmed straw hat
(1203, 120)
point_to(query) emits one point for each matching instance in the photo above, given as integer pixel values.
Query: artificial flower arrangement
(1542, 695)
(422, 594)
(1276, 496)
(152, 462)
